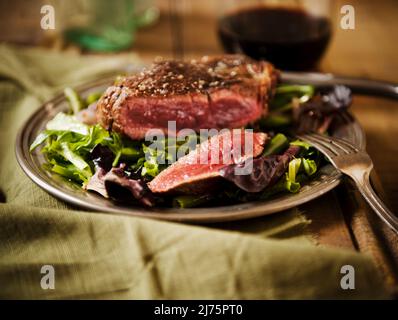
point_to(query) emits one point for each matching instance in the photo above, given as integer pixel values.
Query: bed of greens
(80, 151)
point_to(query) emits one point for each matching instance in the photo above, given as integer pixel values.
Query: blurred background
(191, 28)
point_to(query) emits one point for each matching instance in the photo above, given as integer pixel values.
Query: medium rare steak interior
(229, 91)
(193, 172)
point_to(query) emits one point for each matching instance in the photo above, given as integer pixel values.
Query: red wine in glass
(291, 38)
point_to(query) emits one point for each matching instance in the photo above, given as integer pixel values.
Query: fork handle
(367, 191)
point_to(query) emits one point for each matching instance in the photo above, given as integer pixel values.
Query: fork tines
(331, 147)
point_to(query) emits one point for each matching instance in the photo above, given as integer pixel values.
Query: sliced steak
(229, 91)
(193, 172)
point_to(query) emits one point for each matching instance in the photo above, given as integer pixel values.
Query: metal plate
(31, 163)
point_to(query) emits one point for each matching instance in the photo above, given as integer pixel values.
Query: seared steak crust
(229, 91)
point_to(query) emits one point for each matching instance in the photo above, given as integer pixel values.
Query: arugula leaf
(160, 154)
(299, 170)
(74, 100)
(74, 158)
(43, 136)
(285, 93)
(301, 143)
(93, 97)
(300, 90)
(64, 122)
(276, 145)
(309, 166)
(69, 172)
(276, 120)
(150, 168)
(68, 145)
(188, 201)
(296, 167)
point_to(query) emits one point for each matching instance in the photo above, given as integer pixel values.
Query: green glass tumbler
(104, 25)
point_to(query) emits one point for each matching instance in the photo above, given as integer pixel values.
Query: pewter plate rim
(30, 163)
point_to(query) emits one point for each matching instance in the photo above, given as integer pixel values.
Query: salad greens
(75, 150)
(276, 145)
(189, 201)
(286, 98)
(158, 156)
(74, 100)
(69, 144)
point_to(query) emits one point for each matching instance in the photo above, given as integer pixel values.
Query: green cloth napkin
(98, 255)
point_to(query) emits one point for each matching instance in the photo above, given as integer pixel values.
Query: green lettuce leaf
(64, 122)
(301, 143)
(75, 101)
(68, 145)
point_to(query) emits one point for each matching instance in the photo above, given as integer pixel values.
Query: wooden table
(339, 218)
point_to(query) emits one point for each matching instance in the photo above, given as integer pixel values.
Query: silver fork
(355, 164)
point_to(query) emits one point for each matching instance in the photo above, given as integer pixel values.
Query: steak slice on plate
(227, 91)
(193, 172)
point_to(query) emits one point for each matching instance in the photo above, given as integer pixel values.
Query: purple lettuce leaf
(317, 114)
(118, 185)
(267, 170)
(102, 157)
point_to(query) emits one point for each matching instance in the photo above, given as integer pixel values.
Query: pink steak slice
(196, 172)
